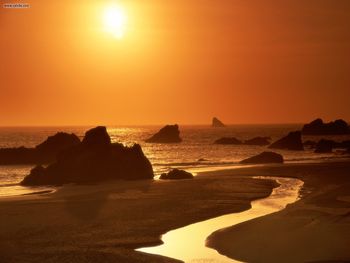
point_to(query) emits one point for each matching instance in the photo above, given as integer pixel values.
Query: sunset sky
(180, 61)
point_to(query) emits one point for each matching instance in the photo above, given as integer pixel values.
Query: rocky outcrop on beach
(167, 134)
(318, 127)
(228, 140)
(94, 159)
(258, 141)
(290, 142)
(176, 174)
(43, 153)
(264, 157)
(324, 146)
(217, 123)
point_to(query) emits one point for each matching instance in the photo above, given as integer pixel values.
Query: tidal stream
(188, 243)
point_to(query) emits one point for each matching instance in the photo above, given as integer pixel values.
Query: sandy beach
(314, 229)
(106, 222)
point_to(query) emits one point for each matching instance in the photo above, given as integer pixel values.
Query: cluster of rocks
(318, 127)
(92, 160)
(43, 153)
(327, 146)
(254, 141)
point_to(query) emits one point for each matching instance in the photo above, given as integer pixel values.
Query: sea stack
(167, 134)
(95, 159)
(217, 123)
(318, 127)
(290, 142)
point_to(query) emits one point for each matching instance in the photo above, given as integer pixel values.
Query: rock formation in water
(258, 141)
(318, 127)
(309, 144)
(324, 146)
(290, 142)
(43, 153)
(228, 140)
(94, 159)
(264, 157)
(167, 134)
(217, 123)
(176, 174)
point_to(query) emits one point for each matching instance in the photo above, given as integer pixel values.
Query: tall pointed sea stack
(217, 123)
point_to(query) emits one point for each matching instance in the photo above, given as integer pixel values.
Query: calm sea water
(197, 144)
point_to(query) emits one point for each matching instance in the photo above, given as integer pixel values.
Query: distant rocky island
(318, 127)
(217, 123)
(167, 134)
(92, 160)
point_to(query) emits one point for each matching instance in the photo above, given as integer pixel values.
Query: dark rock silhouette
(43, 153)
(324, 146)
(217, 123)
(58, 142)
(258, 141)
(310, 144)
(318, 127)
(290, 142)
(94, 159)
(20, 155)
(167, 134)
(228, 140)
(176, 174)
(264, 157)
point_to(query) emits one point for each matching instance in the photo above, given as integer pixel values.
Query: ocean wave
(195, 163)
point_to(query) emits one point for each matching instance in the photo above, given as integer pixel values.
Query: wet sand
(314, 229)
(106, 222)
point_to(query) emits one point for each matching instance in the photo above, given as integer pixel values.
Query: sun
(114, 21)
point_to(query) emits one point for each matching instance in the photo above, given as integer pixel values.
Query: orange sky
(179, 61)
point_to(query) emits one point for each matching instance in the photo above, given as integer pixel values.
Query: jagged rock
(258, 141)
(167, 134)
(324, 146)
(217, 123)
(43, 153)
(290, 142)
(228, 140)
(265, 157)
(94, 159)
(318, 127)
(176, 174)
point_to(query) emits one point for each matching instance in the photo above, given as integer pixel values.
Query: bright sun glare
(114, 20)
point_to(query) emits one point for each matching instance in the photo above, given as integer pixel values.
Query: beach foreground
(314, 229)
(106, 222)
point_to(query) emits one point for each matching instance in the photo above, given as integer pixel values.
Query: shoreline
(108, 221)
(315, 228)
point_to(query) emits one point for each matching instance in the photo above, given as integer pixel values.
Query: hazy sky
(179, 61)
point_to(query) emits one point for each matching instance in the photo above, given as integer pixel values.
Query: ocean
(196, 153)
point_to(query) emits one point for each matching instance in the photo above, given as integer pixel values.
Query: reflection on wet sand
(188, 243)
